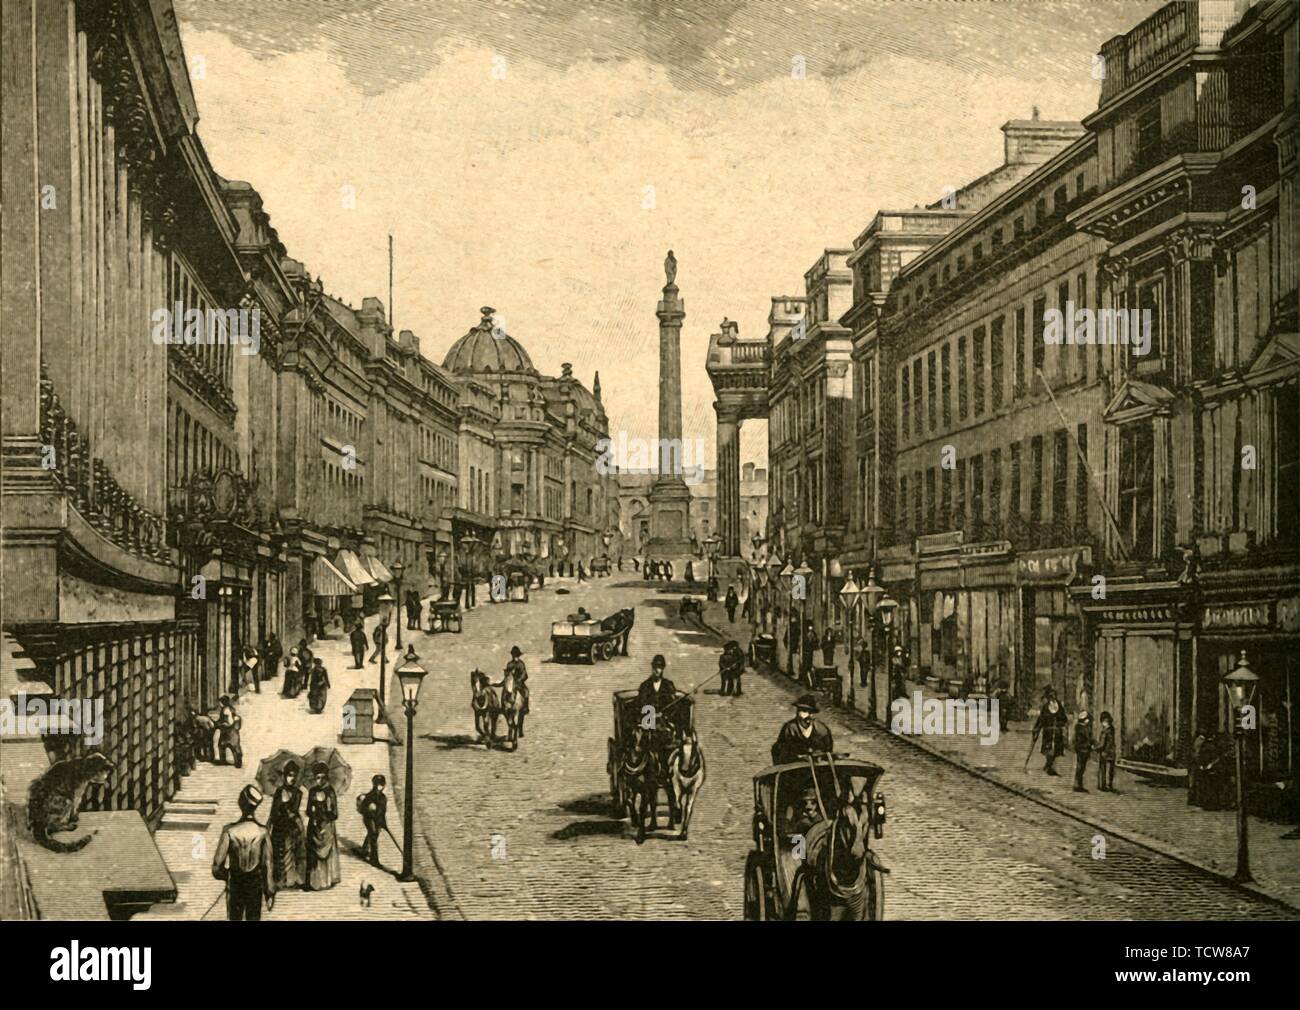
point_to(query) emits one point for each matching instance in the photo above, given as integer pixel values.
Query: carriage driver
(802, 735)
(658, 693)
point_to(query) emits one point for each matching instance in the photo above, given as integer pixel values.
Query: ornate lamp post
(1240, 686)
(397, 568)
(807, 573)
(385, 612)
(711, 552)
(410, 674)
(787, 576)
(872, 592)
(850, 594)
(885, 608)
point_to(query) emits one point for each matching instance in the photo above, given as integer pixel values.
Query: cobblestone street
(531, 834)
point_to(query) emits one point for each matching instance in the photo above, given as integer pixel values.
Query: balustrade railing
(93, 490)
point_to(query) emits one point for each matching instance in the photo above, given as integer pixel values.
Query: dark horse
(638, 778)
(486, 708)
(838, 879)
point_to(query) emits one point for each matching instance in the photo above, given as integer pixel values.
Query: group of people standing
(258, 861)
(1052, 729)
(305, 671)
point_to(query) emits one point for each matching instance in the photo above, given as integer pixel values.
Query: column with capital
(728, 480)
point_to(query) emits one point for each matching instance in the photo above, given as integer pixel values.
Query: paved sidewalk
(1149, 813)
(207, 800)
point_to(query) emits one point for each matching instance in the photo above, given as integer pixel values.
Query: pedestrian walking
(1002, 695)
(864, 663)
(1050, 728)
(288, 842)
(1106, 754)
(318, 686)
(828, 647)
(809, 649)
(690, 572)
(290, 688)
(228, 723)
(373, 807)
(711, 593)
(731, 664)
(358, 639)
(322, 837)
(244, 861)
(380, 637)
(272, 651)
(1082, 748)
(732, 602)
(582, 575)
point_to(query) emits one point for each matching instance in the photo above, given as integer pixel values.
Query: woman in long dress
(288, 845)
(318, 689)
(322, 840)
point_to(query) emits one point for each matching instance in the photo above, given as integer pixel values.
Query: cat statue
(54, 799)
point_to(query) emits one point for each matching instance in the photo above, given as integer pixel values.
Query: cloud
(530, 192)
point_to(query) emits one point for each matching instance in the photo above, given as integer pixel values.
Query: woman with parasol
(322, 840)
(287, 840)
(318, 687)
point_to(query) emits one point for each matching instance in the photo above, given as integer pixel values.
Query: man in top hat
(1050, 725)
(658, 693)
(373, 807)
(245, 862)
(802, 735)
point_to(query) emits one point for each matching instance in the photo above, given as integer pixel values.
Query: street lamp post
(872, 592)
(711, 551)
(806, 572)
(410, 675)
(1240, 686)
(850, 593)
(397, 569)
(787, 576)
(385, 611)
(886, 608)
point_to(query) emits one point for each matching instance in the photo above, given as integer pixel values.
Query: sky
(542, 157)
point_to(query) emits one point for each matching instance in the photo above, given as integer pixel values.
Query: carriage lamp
(1240, 686)
(878, 815)
(397, 568)
(410, 674)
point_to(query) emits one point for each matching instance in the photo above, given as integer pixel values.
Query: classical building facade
(530, 445)
(1109, 516)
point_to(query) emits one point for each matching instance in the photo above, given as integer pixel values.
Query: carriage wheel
(875, 911)
(756, 906)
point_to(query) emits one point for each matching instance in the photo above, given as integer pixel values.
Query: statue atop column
(670, 269)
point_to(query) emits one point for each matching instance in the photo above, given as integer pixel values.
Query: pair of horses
(646, 765)
(489, 707)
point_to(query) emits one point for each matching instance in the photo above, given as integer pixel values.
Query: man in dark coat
(1050, 726)
(380, 637)
(358, 639)
(828, 647)
(730, 667)
(374, 813)
(272, 651)
(732, 602)
(810, 647)
(658, 693)
(1082, 748)
(802, 735)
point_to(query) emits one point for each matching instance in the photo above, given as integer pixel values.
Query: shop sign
(1236, 615)
(1053, 566)
(1288, 614)
(994, 548)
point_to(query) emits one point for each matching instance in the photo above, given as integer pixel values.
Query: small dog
(366, 891)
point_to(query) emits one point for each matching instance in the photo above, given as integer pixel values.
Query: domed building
(528, 450)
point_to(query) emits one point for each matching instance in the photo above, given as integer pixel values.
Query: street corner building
(1055, 414)
(202, 446)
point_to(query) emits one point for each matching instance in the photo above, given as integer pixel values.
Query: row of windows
(969, 496)
(194, 450)
(976, 365)
(344, 423)
(438, 493)
(438, 449)
(480, 491)
(215, 350)
(956, 262)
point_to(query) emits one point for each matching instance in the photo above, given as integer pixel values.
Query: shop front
(1054, 647)
(1143, 669)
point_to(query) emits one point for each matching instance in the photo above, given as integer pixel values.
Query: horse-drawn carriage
(690, 607)
(444, 615)
(650, 765)
(592, 640)
(813, 821)
(600, 565)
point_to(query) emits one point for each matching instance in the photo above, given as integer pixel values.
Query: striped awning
(326, 580)
(350, 565)
(378, 569)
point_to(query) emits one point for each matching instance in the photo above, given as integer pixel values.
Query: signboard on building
(1059, 565)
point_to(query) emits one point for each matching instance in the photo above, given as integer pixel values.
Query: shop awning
(378, 569)
(326, 580)
(350, 565)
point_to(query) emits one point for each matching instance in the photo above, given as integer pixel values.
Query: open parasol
(270, 773)
(340, 772)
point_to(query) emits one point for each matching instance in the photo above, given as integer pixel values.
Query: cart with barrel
(588, 641)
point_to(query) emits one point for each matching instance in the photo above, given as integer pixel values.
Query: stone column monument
(670, 498)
